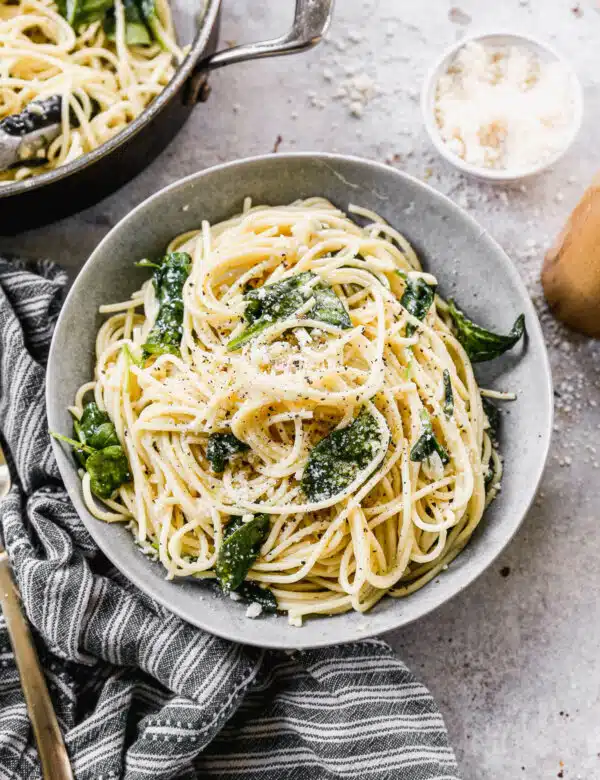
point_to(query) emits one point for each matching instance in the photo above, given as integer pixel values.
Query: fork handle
(51, 748)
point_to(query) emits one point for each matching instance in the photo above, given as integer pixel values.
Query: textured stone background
(513, 661)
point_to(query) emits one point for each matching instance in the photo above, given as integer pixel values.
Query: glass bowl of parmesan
(502, 106)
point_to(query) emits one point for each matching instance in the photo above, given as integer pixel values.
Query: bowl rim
(307, 639)
(497, 174)
(206, 22)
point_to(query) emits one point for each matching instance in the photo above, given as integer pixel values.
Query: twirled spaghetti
(104, 84)
(401, 520)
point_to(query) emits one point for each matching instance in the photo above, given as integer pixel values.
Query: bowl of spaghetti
(92, 90)
(277, 392)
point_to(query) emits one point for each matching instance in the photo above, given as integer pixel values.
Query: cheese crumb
(504, 107)
(254, 610)
(356, 109)
(354, 36)
(356, 92)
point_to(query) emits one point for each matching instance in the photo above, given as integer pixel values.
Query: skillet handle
(311, 21)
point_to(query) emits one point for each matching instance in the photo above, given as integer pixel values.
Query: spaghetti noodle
(396, 521)
(104, 84)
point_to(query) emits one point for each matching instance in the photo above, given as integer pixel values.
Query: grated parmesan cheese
(504, 107)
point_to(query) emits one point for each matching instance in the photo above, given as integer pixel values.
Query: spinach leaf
(99, 451)
(416, 299)
(142, 24)
(80, 12)
(427, 444)
(80, 451)
(136, 32)
(95, 428)
(108, 469)
(481, 344)
(221, 446)
(235, 522)
(80, 454)
(448, 394)
(337, 459)
(168, 280)
(149, 14)
(146, 263)
(275, 302)
(240, 549)
(328, 307)
(252, 593)
(493, 414)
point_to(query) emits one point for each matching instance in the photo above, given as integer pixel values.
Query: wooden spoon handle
(51, 748)
(571, 272)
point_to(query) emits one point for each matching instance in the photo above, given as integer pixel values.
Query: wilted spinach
(274, 302)
(337, 459)
(239, 550)
(427, 444)
(80, 12)
(168, 279)
(98, 450)
(481, 344)
(108, 470)
(149, 14)
(493, 414)
(448, 394)
(416, 299)
(95, 428)
(136, 31)
(253, 593)
(142, 25)
(220, 447)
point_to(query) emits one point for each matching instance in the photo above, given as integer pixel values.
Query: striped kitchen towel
(138, 692)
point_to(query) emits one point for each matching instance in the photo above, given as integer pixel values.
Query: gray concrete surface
(513, 661)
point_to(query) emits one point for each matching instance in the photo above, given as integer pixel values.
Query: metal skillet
(38, 200)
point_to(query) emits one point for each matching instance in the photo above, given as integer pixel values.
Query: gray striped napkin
(138, 692)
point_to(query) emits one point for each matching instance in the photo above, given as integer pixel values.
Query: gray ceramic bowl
(468, 264)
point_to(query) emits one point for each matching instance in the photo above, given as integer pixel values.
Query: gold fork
(51, 748)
